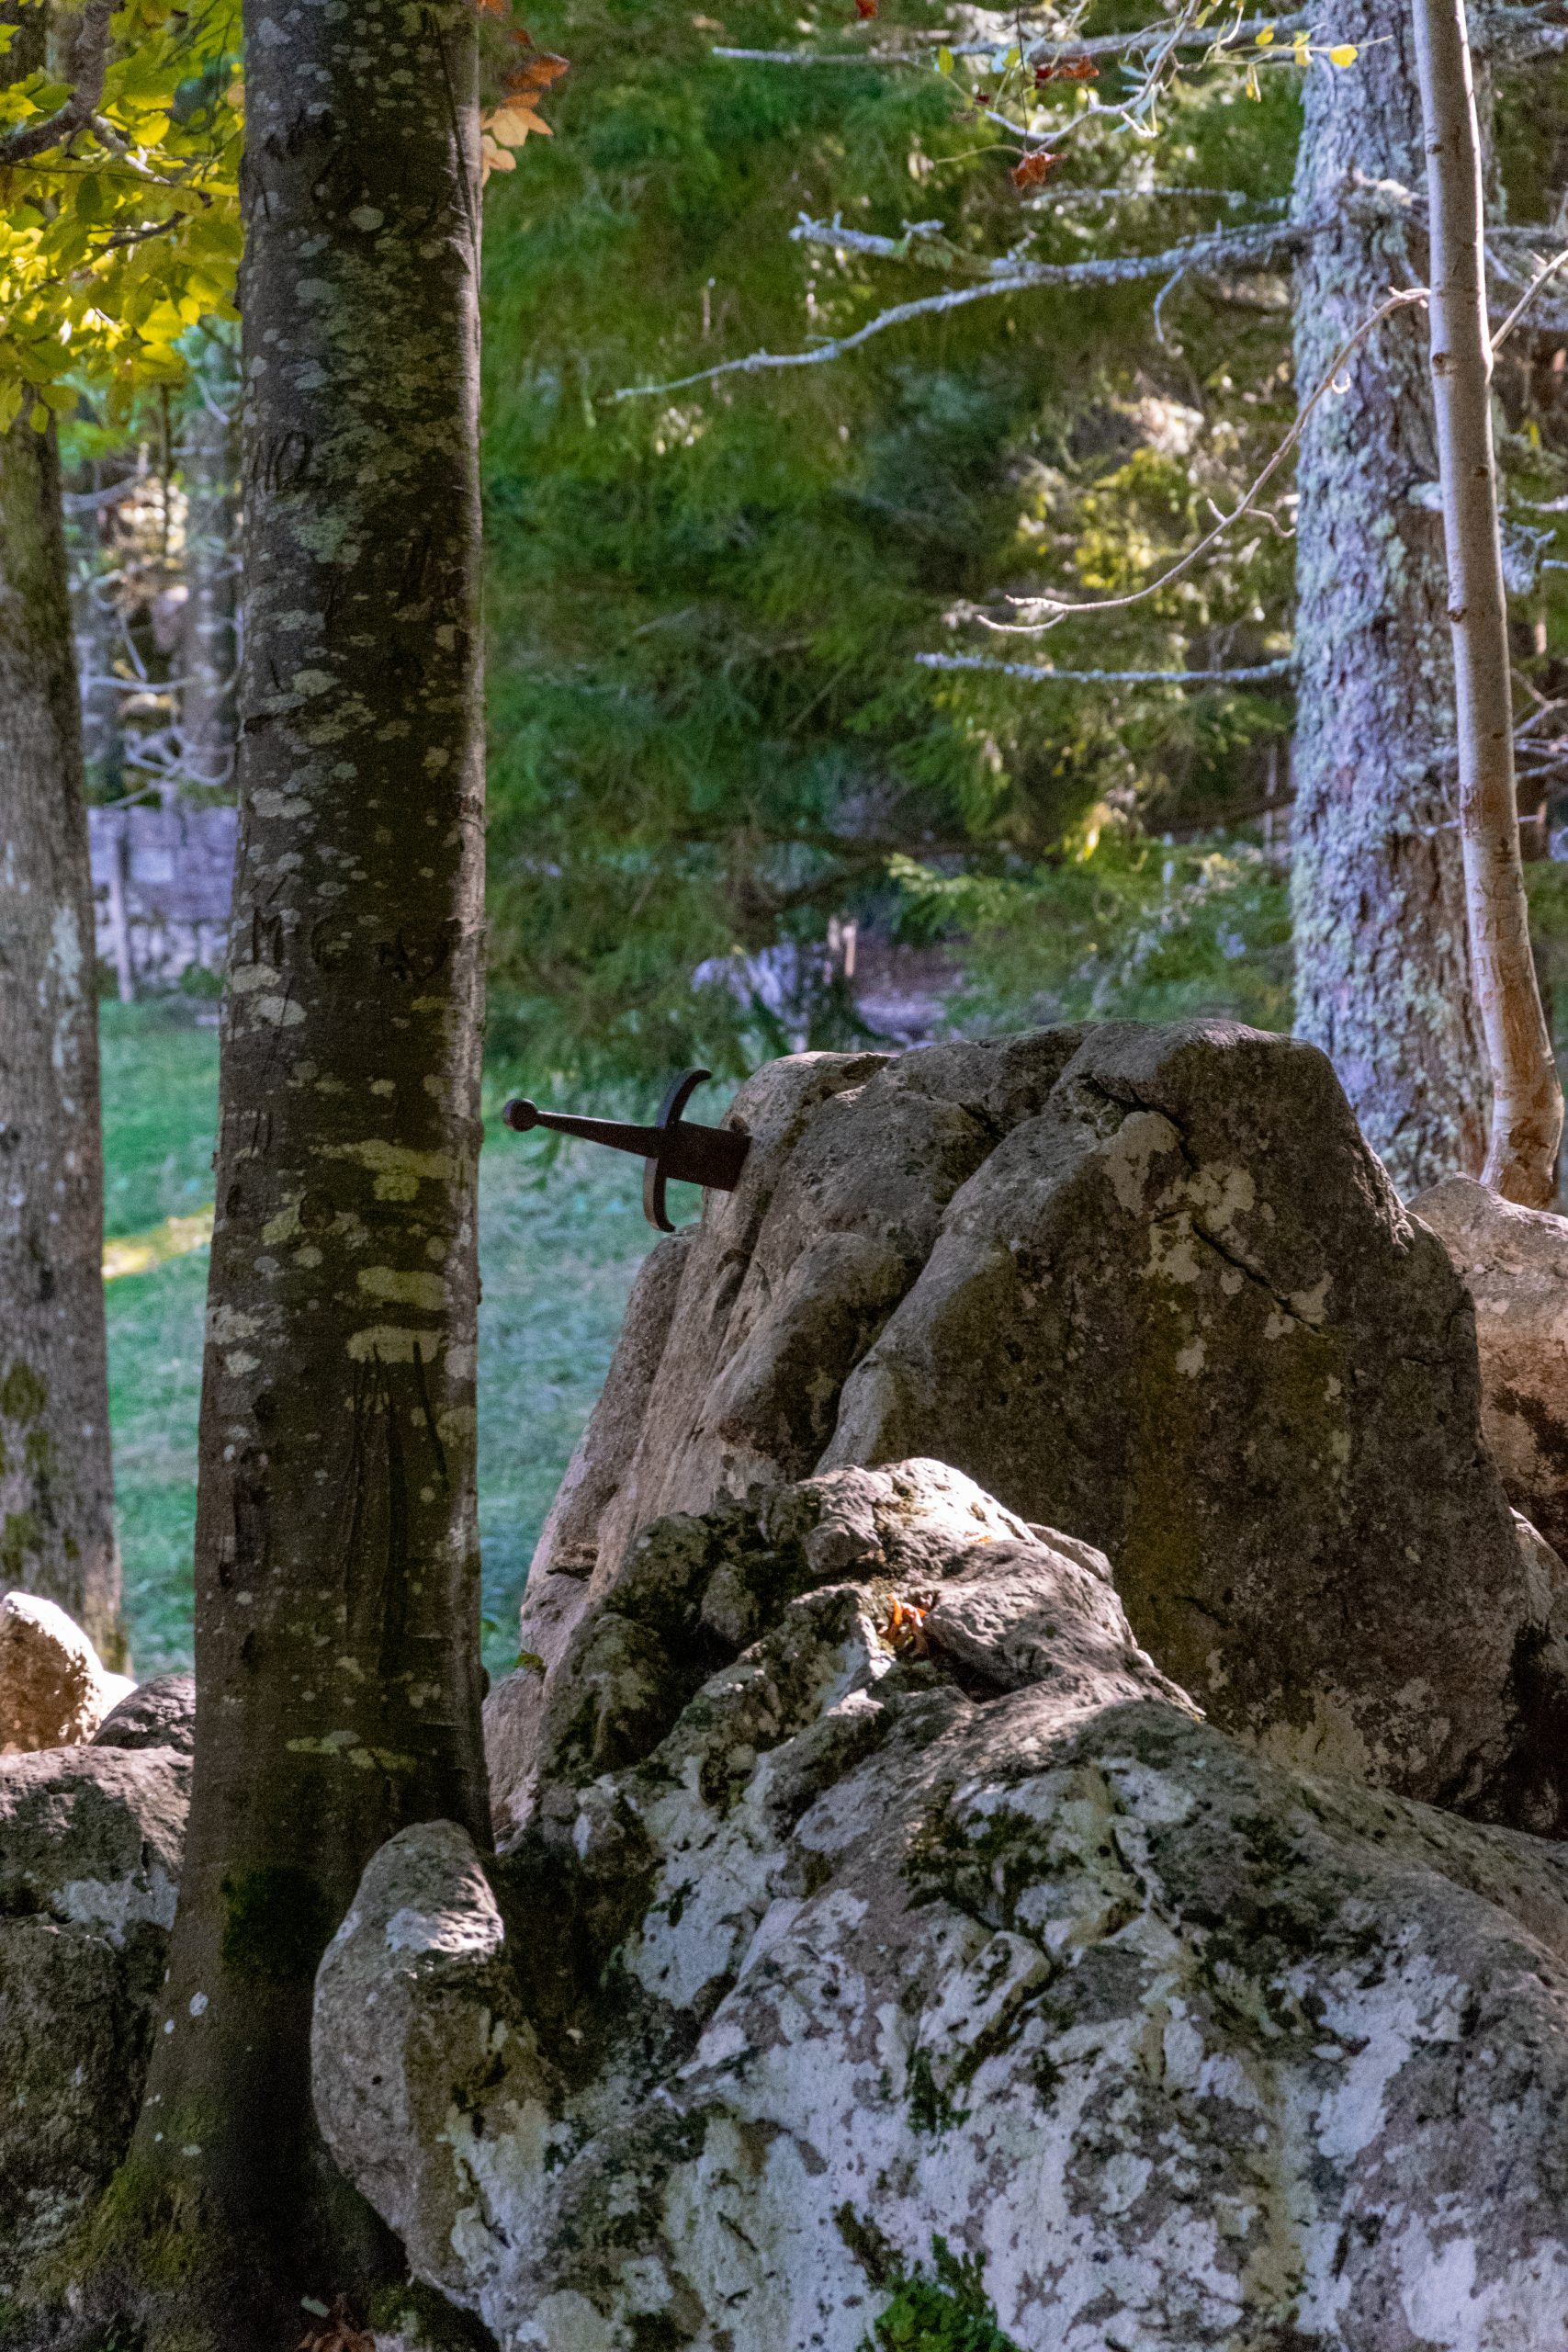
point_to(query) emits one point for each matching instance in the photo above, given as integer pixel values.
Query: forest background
(712, 736)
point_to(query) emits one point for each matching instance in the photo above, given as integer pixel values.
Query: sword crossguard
(671, 1146)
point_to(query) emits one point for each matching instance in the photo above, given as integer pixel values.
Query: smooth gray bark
(56, 1484)
(1527, 1099)
(338, 1658)
(1382, 964)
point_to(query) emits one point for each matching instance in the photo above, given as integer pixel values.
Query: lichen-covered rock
(90, 1846)
(1183, 1314)
(854, 1158)
(158, 1714)
(1513, 1263)
(933, 1948)
(54, 1688)
(1150, 1286)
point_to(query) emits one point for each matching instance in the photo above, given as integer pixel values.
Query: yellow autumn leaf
(1265, 36)
(1252, 89)
(508, 126)
(1345, 55)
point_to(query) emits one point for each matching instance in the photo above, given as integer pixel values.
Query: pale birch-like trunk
(1526, 1099)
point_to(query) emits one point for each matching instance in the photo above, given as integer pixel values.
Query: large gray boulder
(889, 1940)
(1513, 1263)
(90, 1846)
(1149, 1286)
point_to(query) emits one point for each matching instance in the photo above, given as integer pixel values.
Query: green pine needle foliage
(709, 731)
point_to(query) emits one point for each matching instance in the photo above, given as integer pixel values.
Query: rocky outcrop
(54, 1690)
(90, 1846)
(1149, 1285)
(1513, 1263)
(159, 1713)
(890, 1944)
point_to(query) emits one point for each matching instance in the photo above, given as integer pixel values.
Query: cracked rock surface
(1149, 1286)
(876, 1889)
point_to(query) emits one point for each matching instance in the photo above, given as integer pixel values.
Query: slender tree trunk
(1527, 1099)
(56, 1483)
(1382, 966)
(98, 647)
(338, 1556)
(207, 702)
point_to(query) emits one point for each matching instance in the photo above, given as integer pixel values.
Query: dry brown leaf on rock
(339, 2332)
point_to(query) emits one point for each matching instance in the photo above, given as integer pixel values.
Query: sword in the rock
(672, 1147)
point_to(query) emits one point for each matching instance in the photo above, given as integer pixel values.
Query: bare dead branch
(1034, 675)
(1097, 45)
(1051, 608)
(1233, 248)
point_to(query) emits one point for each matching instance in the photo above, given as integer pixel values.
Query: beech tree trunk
(337, 1556)
(1382, 964)
(56, 1482)
(1527, 1099)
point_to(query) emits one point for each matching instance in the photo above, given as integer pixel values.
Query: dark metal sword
(671, 1146)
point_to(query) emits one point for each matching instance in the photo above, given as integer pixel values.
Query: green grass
(559, 1244)
(160, 1084)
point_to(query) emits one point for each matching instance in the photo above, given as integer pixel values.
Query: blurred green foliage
(709, 732)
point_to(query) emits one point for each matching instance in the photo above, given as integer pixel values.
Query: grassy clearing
(559, 1244)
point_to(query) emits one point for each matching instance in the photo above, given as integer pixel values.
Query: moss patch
(276, 1924)
(946, 2309)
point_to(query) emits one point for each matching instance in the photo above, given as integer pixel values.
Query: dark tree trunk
(207, 701)
(337, 1555)
(56, 1484)
(1382, 966)
(56, 1477)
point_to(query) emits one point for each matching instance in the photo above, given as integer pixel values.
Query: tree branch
(1036, 676)
(1098, 45)
(1051, 608)
(1230, 247)
(89, 61)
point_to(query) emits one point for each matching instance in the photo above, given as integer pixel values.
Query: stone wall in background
(161, 885)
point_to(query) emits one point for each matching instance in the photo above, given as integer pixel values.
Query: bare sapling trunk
(1527, 1098)
(56, 1482)
(337, 1658)
(207, 699)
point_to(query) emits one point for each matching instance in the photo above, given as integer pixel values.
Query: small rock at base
(159, 1713)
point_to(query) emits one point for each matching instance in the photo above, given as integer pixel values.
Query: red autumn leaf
(1033, 169)
(535, 73)
(1066, 69)
(866, 9)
